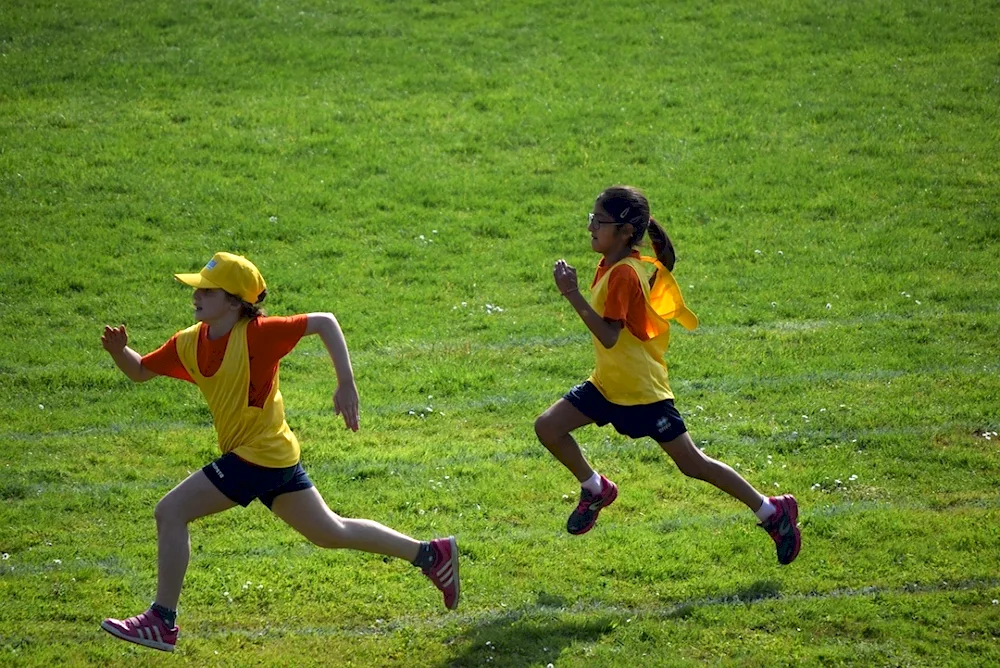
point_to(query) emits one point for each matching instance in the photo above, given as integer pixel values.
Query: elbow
(609, 341)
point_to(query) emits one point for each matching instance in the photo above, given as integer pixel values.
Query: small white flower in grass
(822, 410)
(917, 301)
(780, 253)
(774, 304)
(852, 478)
(757, 252)
(815, 486)
(829, 306)
(57, 562)
(996, 602)
(273, 219)
(775, 484)
(6, 556)
(421, 237)
(41, 407)
(464, 304)
(434, 231)
(837, 482)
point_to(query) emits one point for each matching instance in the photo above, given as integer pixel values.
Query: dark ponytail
(662, 245)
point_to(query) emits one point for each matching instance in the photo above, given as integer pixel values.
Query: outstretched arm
(115, 341)
(345, 397)
(606, 331)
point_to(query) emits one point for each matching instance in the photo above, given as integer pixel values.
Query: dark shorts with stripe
(659, 421)
(243, 482)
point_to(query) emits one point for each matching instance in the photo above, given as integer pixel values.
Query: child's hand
(345, 403)
(114, 339)
(565, 276)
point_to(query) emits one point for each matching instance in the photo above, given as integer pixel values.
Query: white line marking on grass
(756, 593)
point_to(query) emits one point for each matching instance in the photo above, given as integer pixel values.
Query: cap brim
(196, 281)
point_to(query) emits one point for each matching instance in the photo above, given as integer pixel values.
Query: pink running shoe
(783, 527)
(144, 629)
(444, 572)
(583, 518)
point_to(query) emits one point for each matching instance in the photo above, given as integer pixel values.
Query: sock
(425, 557)
(766, 510)
(168, 616)
(593, 484)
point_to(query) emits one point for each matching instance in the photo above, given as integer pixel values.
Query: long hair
(627, 204)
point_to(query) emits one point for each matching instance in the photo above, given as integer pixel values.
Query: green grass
(828, 173)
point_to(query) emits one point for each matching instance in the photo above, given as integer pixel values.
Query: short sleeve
(166, 362)
(271, 338)
(626, 302)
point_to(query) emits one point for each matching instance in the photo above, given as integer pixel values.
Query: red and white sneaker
(444, 572)
(584, 516)
(783, 528)
(144, 629)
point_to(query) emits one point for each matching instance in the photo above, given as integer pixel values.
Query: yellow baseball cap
(233, 273)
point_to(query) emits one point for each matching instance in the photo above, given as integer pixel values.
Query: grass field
(829, 174)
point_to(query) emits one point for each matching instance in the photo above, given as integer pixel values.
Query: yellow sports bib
(633, 372)
(259, 435)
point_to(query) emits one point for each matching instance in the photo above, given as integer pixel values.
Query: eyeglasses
(591, 220)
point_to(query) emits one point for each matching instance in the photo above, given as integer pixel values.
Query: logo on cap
(211, 264)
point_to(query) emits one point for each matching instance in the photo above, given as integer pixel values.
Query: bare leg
(694, 463)
(553, 429)
(306, 512)
(195, 497)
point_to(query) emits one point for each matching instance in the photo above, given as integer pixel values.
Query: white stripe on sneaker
(159, 638)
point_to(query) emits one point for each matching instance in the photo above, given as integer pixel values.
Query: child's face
(211, 304)
(606, 236)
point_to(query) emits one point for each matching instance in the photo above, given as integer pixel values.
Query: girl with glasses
(632, 298)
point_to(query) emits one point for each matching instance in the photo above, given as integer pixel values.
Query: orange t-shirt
(625, 302)
(268, 340)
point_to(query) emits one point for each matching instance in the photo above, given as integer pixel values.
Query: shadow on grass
(538, 633)
(532, 635)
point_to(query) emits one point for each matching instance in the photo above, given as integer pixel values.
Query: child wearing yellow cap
(233, 353)
(627, 315)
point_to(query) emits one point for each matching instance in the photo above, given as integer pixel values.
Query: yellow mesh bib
(633, 372)
(259, 435)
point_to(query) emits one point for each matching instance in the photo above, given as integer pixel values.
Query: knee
(332, 536)
(545, 430)
(694, 466)
(165, 513)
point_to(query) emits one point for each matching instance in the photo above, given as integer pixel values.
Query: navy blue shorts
(660, 421)
(243, 482)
